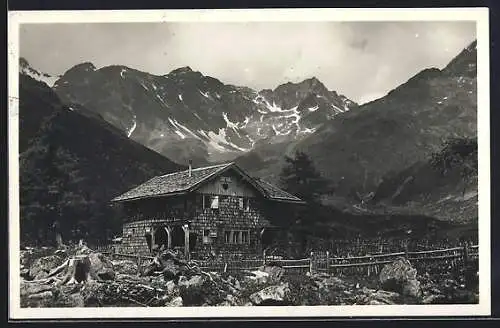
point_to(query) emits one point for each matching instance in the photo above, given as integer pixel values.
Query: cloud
(358, 59)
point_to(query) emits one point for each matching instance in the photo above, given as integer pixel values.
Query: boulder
(193, 282)
(412, 288)
(125, 267)
(230, 300)
(30, 288)
(61, 253)
(25, 273)
(39, 296)
(400, 277)
(201, 290)
(101, 266)
(377, 297)
(76, 300)
(274, 272)
(259, 277)
(272, 295)
(176, 301)
(25, 256)
(41, 267)
(434, 299)
(151, 268)
(329, 283)
(170, 286)
(171, 271)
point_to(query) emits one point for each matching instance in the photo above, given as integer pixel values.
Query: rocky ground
(53, 278)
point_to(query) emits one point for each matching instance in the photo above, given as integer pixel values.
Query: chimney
(190, 167)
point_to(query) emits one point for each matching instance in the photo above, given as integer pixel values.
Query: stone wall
(134, 240)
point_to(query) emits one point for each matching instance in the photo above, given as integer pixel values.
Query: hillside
(75, 164)
(36, 102)
(444, 186)
(390, 134)
(359, 147)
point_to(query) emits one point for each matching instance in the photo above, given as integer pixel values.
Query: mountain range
(187, 115)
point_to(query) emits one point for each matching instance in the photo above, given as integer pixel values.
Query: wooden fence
(321, 261)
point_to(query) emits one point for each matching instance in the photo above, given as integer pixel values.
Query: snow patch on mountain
(42, 77)
(230, 124)
(244, 123)
(134, 126)
(338, 109)
(307, 130)
(179, 133)
(162, 100)
(204, 94)
(218, 141)
(180, 127)
(313, 109)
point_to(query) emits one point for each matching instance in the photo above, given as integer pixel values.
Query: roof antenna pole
(190, 167)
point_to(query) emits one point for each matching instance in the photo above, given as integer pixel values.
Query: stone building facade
(204, 212)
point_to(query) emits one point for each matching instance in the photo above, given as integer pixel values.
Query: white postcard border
(479, 15)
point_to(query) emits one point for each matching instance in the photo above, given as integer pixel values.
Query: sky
(361, 60)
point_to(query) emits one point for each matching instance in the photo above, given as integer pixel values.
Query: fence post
(311, 263)
(327, 262)
(466, 256)
(139, 264)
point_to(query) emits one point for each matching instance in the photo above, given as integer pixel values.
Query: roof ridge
(196, 169)
(212, 166)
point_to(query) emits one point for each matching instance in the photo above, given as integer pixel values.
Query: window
(207, 239)
(237, 237)
(214, 202)
(244, 237)
(210, 201)
(244, 204)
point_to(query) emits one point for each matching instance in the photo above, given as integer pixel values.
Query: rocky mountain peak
(464, 63)
(26, 69)
(23, 62)
(85, 67)
(181, 70)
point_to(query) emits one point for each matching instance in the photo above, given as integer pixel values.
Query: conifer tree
(300, 178)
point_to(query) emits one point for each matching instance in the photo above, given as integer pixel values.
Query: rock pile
(85, 278)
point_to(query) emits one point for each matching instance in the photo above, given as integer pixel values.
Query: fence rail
(322, 262)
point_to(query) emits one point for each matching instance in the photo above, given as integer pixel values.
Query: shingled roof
(181, 182)
(276, 193)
